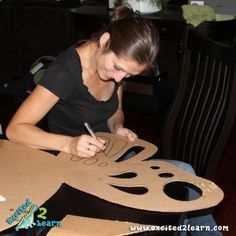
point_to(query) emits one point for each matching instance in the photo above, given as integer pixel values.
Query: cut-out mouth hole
(179, 190)
(138, 190)
(130, 153)
(127, 175)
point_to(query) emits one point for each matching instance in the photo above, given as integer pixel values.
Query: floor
(147, 124)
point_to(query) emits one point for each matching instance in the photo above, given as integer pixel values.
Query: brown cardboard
(84, 226)
(36, 175)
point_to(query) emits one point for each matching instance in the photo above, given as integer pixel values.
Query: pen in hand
(88, 127)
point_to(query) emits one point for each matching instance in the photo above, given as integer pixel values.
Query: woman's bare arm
(22, 127)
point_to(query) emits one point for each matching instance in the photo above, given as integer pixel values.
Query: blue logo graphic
(27, 221)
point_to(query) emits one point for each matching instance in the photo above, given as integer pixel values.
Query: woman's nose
(119, 75)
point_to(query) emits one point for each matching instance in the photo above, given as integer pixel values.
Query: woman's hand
(120, 130)
(86, 146)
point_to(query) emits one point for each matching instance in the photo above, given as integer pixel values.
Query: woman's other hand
(120, 130)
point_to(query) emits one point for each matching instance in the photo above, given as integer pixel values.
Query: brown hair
(132, 36)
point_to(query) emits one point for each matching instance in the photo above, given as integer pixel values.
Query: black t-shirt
(76, 104)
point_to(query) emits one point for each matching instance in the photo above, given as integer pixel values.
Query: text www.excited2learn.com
(189, 228)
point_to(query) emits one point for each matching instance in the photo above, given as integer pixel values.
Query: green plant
(154, 2)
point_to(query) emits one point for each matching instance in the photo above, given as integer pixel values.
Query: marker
(88, 127)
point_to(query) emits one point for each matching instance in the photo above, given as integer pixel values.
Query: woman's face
(109, 66)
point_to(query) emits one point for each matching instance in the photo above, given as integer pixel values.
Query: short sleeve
(57, 79)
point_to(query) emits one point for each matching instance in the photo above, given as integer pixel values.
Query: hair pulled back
(132, 36)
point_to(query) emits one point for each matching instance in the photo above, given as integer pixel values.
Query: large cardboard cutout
(135, 183)
(76, 225)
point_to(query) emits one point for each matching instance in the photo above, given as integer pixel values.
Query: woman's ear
(104, 39)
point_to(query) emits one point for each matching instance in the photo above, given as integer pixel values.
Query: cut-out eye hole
(179, 190)
(130, 153)
(127, 175)
(138, 190)
(155, 167)
(166, 175)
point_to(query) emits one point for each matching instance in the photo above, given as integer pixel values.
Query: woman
(85, 84)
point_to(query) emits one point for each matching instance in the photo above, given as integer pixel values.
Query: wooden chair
(220, 31)
(202, 115)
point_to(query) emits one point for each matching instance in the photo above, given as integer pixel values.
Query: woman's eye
(117, 68)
